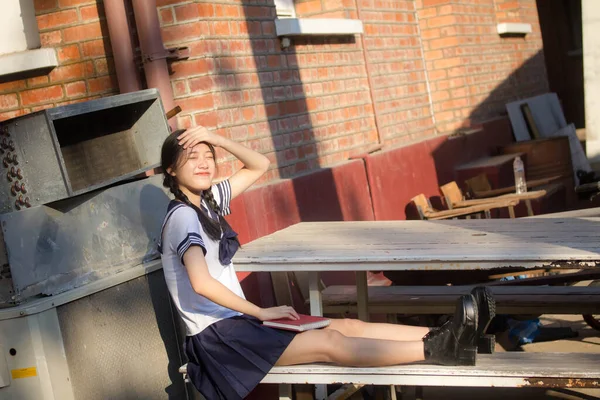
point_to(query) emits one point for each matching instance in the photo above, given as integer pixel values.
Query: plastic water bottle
(519, 169)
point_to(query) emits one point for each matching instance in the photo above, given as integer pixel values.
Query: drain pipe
(154, 54)
(120, 40)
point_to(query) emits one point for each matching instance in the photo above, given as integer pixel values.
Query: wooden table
(422, 245)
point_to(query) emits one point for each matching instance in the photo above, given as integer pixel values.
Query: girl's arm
(255, 164)
(205, 285)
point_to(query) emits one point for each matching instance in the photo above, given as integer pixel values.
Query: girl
(228, 348)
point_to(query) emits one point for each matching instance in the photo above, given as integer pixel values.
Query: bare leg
(359, 329)
(328, 345)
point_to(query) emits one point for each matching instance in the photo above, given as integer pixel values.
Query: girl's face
(196, 168)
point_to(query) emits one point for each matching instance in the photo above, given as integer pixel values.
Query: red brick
(227, 11)
(12, 114)
(43, 95)
(187, 12)
(166, 16)
(206, 10)
(72, 3)
(8, 101)
(103, 84)
(220, 28)
(178, 33)
(12, 86)
(192, 67)
(68, 53)
(180, 88)
(95, 48)
(68, 72)
(49, 39)
(268, 28)
(76, 89)
(197, 103)
(82, 32)
(447, 63)
(308, 7)
(441, 21)
(44, 5)
(432, 3)
(249, 113)
(201, 84)
(443, 42)
(91, 12)
(104, 66)
(56, 19)
(37, 81)
(208, 120)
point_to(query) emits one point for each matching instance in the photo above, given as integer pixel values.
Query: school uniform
(229, 353)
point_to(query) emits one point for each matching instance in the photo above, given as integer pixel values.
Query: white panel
(317, 26)
(17, 22)
(513, 28)
(285, 8)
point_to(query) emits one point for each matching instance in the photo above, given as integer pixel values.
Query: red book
(305, 323)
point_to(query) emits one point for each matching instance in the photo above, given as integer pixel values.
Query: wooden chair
(455, 199)
(426, 210)
(479, 188)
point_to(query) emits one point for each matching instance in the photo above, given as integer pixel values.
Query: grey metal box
(70, 150)
(82, 239)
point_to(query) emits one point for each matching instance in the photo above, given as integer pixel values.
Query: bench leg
(362, 295)
(316, 308)
(316, 300)
(285, 392)
(529, 208)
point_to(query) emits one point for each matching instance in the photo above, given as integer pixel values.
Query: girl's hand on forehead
(198, 134)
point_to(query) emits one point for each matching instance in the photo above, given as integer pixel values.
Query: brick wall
(423, 67)
(473, 71)
(398, 75)
(77, 30)
(305, 107)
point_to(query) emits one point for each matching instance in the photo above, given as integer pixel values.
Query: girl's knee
(349, 326)
(330, 343)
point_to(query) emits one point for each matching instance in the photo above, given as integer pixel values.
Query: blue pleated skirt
(230, 357)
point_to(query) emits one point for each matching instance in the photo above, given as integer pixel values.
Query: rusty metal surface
(74, 149)
(51, 250)
(124, 342)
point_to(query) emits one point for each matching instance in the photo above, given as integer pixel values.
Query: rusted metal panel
(82, 239)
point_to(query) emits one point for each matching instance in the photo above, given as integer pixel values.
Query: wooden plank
(507, 369)
(508, 364)
(470, 241)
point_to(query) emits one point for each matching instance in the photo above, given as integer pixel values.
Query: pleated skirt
(227, 360)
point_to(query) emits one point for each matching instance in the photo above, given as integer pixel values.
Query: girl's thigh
(312, 346)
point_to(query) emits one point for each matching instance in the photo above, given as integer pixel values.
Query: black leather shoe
(454, 343)
(486, 306)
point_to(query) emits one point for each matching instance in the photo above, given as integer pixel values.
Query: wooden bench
(339, 299)
(510, 369)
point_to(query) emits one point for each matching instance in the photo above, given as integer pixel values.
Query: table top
(431, 245)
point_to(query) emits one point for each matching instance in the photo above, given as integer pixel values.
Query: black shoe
(486, 306)
(454, 343)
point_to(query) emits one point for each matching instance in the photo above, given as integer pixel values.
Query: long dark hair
(171, 154)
